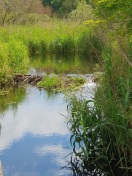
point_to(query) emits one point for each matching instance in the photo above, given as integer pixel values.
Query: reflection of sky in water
(34, 137)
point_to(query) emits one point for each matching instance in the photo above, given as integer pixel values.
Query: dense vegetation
(100, 29)
(19, 43)
(103, 132)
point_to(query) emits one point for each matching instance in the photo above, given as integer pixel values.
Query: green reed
(98, 139)
(61, 38)
(103, 132)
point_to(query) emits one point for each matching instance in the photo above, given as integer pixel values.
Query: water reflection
(62, 64)
(34, 136)
(11, 97)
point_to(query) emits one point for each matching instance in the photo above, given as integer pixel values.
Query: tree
(12, 10)
(63, 6)
(55, 4)
(117, 15)
(82, 12)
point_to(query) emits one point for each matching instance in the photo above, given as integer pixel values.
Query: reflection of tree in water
(62, 64)
(50, 95)
(12, 99)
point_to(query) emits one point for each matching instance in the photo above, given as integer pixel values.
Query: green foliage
(61, 83)
(61, 6)
(11, 12)
(62, 45)
(82, 12)
(18, 56)
(76, 81)
(63, 38)
(4, 65)
(90, 45)
(50, 82)
(99, 139)
(58, 38)
(117, 86)
(116, 13)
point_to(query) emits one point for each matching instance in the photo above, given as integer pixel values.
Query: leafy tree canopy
(62, 6)
(116, 11)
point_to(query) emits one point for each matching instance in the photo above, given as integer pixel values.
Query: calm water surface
(34, 138)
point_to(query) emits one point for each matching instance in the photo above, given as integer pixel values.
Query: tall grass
(102, 135)
(57, 38)
(61, 38)
(100, 142)
(18, 56)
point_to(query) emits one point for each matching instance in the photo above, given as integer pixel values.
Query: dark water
(34, 138)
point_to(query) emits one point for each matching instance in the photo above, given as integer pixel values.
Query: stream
(34, 138)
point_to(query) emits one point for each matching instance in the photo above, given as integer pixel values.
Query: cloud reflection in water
(40, 118)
